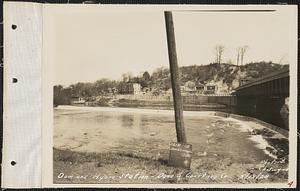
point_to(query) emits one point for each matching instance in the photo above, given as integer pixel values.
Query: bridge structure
(264, 97)
(274, 84)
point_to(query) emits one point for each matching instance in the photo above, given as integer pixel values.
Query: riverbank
(99, 168)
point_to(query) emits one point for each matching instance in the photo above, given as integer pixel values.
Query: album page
(150, 96)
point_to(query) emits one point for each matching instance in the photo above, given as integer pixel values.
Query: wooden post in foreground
(180, 152)
(178, 107)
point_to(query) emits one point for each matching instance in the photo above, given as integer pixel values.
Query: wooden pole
(178, 106)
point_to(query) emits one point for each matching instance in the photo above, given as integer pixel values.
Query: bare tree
(242, 52)
(238, 55)
(219, 49)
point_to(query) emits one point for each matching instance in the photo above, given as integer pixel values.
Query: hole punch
(14, 80)
(13, 163)
(14, 27)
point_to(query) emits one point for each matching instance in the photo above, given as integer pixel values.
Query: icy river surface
(149, 132)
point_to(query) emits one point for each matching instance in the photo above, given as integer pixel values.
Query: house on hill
(211, 88)
(130, 88)
(190, 87)
(76, 100)
(199, 87)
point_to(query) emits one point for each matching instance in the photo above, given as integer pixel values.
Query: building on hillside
(130, 88)
(199, 88)
(211, 88)
(75, 100)
(190, 87)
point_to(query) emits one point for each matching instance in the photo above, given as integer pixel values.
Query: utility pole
(180, 152)
(178, 106)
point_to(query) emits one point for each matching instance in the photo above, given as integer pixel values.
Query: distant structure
(264, 97)
(199, 88)
(76, 100)
(130, 88)
(189, 87)
(211, 89)
(202, 88)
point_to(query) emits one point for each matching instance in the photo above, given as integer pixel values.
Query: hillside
(226, 75)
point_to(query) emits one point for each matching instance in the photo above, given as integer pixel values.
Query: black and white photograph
(178, 95)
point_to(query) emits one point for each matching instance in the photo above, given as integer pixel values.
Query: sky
(87, 45)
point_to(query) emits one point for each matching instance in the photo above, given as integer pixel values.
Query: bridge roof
(270, 77)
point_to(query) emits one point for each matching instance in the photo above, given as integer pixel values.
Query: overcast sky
(90, 45)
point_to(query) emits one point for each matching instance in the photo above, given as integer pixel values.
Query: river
(151, 131)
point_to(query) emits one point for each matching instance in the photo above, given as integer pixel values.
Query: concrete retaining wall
(187, 99)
